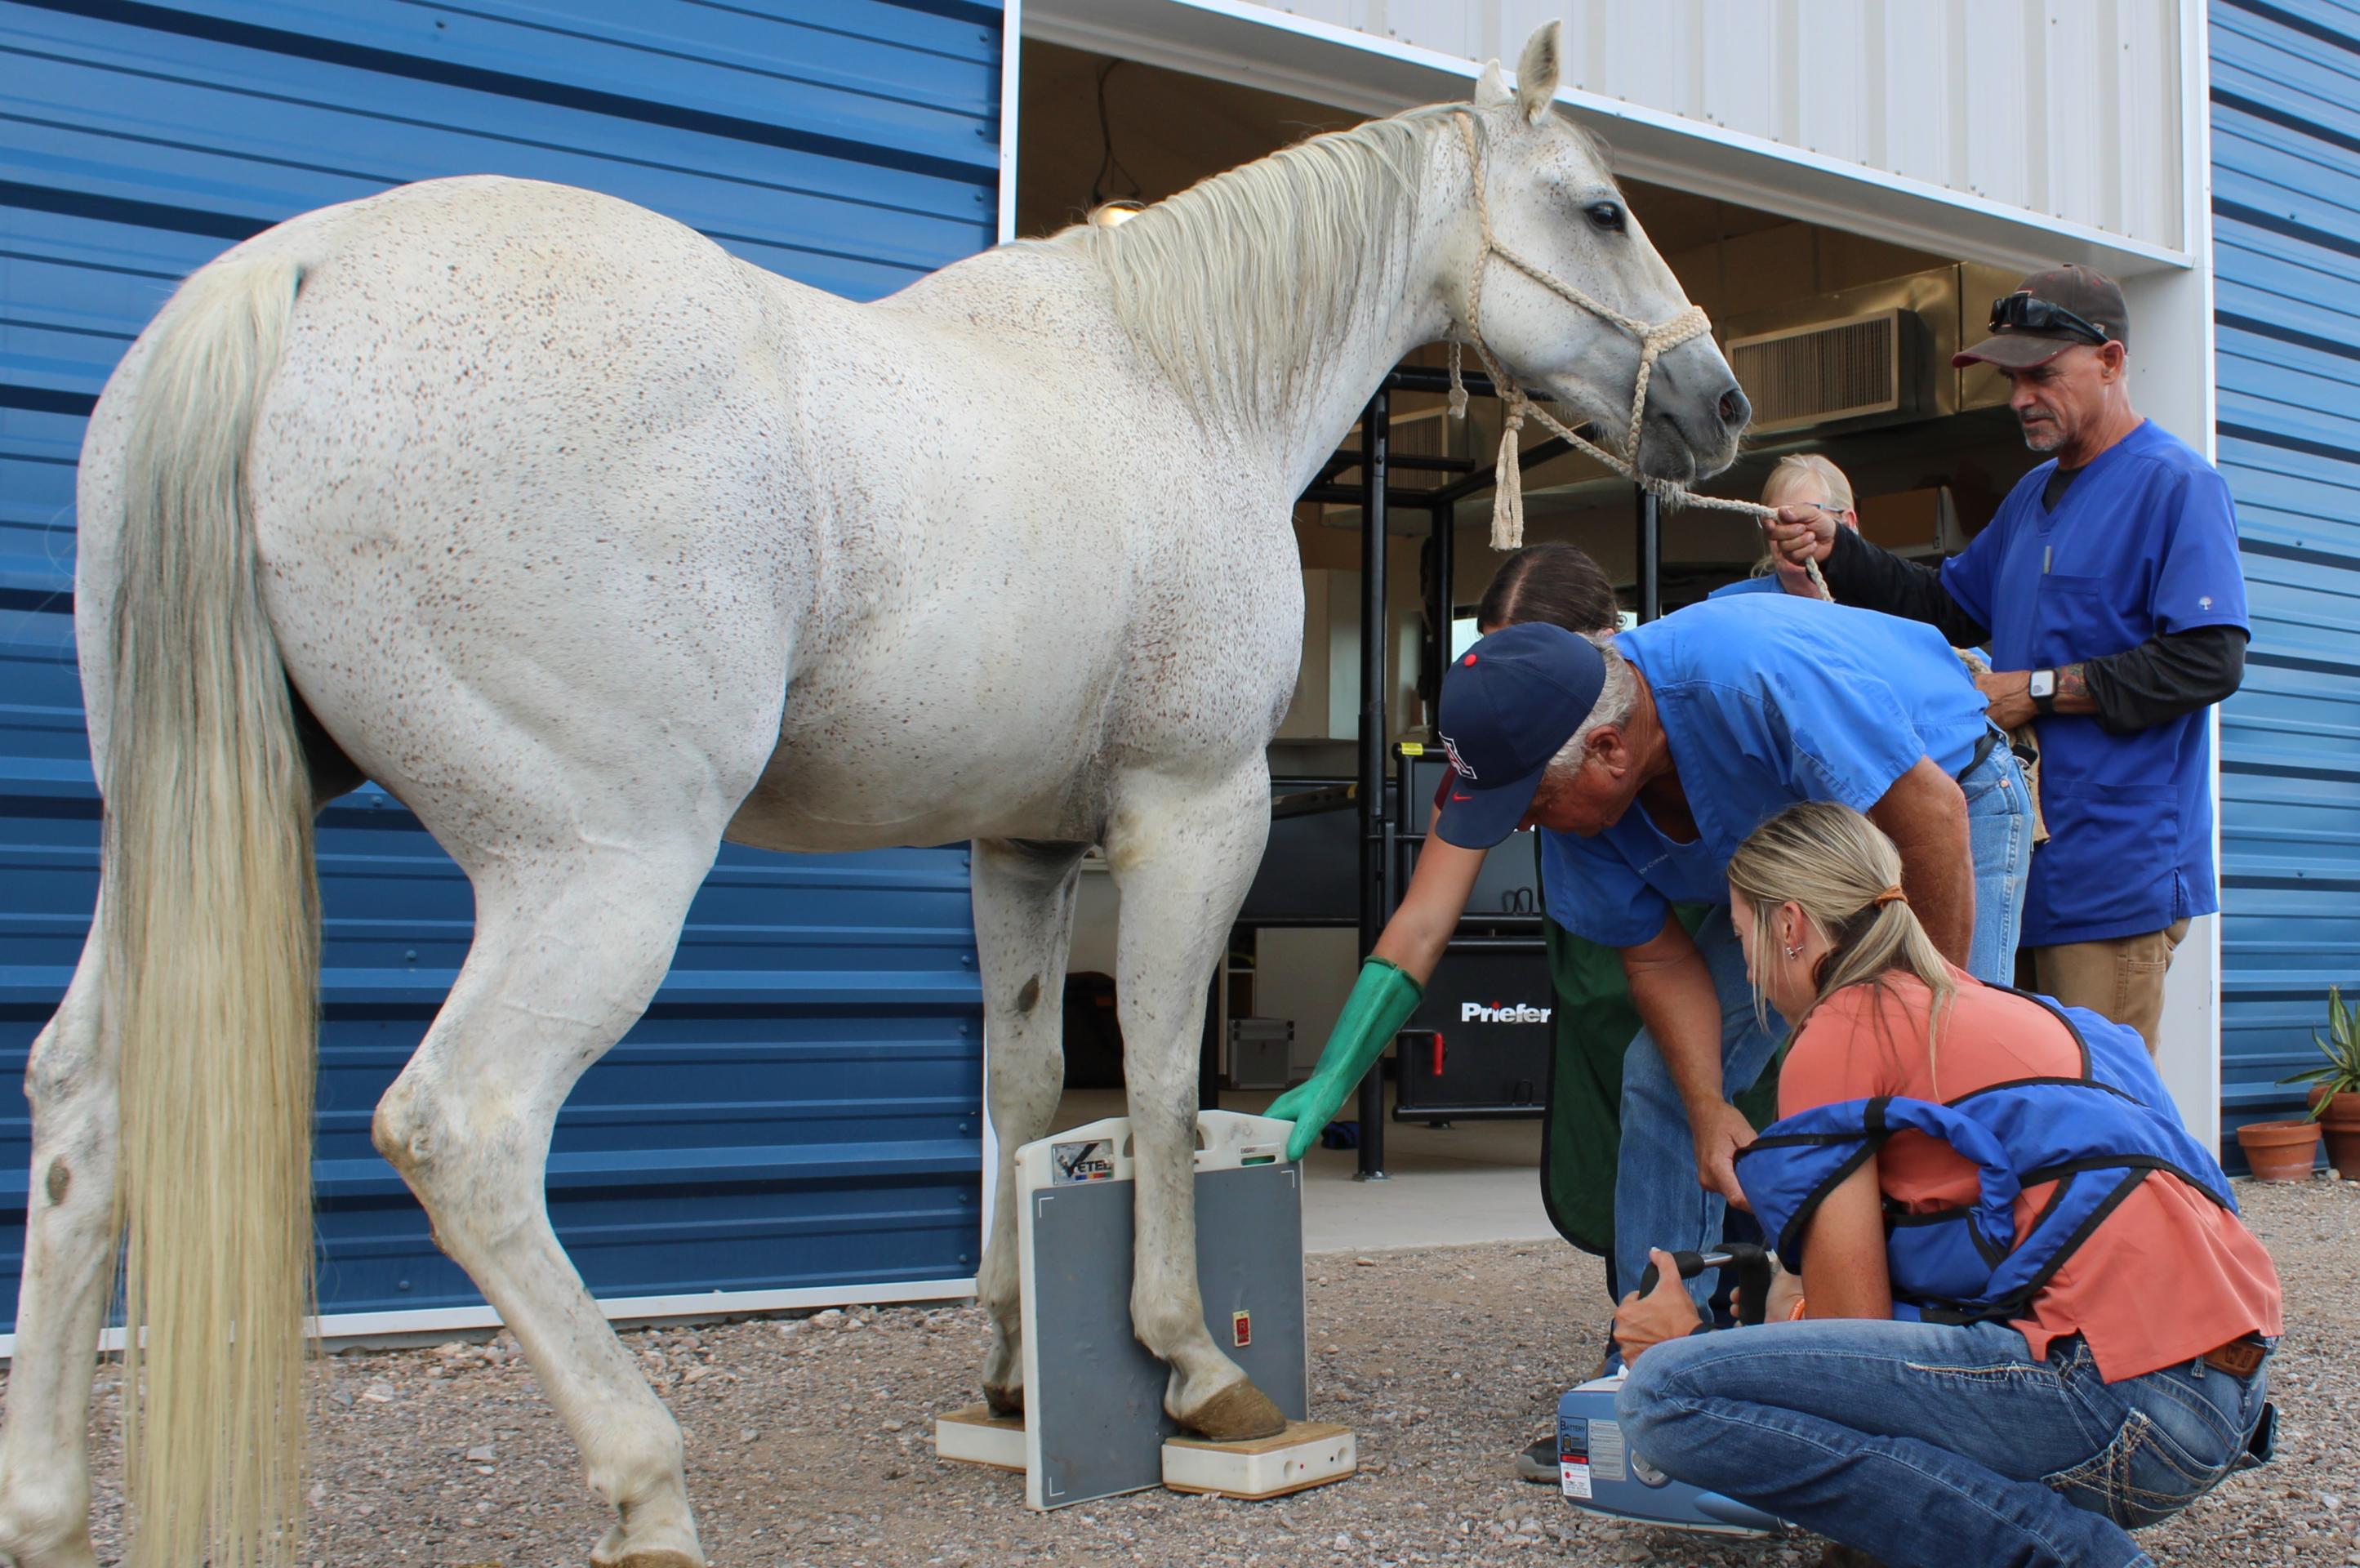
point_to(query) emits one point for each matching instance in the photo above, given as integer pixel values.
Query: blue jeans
(1924, 1443)
(1657, 1198)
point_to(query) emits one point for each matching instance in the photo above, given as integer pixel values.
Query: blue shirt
(2144, 543)
(1767, 583)
(1766, 699)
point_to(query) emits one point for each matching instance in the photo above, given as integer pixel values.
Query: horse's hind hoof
(1235, 1414)
(1007, 1400)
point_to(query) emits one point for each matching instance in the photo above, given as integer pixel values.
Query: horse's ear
(1492, 88)
(1536, 71)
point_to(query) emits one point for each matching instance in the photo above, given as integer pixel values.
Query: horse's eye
(1606, 216)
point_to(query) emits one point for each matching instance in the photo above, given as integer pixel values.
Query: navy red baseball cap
(1509, 705)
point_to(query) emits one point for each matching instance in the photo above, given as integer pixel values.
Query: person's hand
(2009, 693)
(1800, 534)
(1720, 1132)
(1310, 1106)
(1780, 1303)
(1668, 1311)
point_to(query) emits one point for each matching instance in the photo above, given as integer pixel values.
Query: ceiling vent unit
(1860, 369)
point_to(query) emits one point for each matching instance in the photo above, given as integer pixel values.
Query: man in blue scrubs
(1647, 758)
(2109, 592)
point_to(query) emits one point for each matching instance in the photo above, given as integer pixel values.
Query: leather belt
(1984, 747)
(2241, 1357)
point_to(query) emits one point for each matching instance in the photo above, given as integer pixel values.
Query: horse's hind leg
(1024, 896)
(1182, 853)
(69, 1261)
(570, 945)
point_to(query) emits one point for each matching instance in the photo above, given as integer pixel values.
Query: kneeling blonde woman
(1987, 1197)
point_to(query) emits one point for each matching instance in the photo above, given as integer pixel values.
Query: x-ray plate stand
(1094, 1421)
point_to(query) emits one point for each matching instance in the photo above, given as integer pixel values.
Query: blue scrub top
(2144, 543)
(1766, 699)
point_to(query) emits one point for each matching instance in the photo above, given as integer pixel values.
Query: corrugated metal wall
(2065, 108)
(801, 1108)
(2286, 207)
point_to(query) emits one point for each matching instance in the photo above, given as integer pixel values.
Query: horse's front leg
(1024, 895)
(1182, 853)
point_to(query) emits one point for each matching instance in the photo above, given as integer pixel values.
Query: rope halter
(1655, 340)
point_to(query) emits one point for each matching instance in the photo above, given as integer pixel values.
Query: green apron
(1581, 1132)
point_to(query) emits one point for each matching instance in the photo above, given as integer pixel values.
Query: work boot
(1838, 1555)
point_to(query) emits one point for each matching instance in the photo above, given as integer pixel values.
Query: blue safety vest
(2097, 1135)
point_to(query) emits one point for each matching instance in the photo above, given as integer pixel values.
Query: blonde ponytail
(1845, 875)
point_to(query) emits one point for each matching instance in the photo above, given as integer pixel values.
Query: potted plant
(2280, 1151)
(2335, 1084)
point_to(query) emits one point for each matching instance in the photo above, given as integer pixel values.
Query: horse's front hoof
(1235, 1413)
(1004, 1399)
(663, 1546)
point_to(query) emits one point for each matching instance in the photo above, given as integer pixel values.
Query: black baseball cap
(1510, 704)
(2048, 313)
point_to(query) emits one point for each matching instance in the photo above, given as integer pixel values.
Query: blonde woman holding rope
(1815, 486)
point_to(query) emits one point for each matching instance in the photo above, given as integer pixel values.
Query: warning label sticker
(1573, 1457)
(1086, 1159)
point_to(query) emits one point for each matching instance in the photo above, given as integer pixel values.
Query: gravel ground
(810, 1440)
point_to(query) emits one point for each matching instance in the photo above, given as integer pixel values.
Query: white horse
(595, 545)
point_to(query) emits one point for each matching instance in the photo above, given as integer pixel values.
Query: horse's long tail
(211, 917)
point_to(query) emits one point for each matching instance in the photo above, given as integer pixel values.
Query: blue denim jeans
(1657, 1198)
(1924, 1443)
(1999, 834)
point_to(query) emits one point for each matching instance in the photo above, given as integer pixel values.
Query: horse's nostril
(1734, 409)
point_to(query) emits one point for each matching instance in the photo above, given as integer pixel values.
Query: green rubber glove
(1382, 1001)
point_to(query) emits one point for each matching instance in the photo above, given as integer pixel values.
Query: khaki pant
(2121, 977)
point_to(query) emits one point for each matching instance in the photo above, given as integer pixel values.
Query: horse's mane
(1245, 276)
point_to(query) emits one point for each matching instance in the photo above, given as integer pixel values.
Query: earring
(1794, 952)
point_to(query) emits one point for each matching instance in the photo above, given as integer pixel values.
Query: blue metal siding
(2286, 210)
(801, 1104)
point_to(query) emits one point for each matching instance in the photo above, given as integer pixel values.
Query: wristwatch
(2042, 689)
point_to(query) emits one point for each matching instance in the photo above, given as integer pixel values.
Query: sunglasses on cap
(2023, 312)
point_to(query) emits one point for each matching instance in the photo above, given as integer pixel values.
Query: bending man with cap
(1646, 758)
(2109, 592)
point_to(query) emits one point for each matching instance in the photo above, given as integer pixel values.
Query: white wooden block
(976, 1436)
(1307, 1454)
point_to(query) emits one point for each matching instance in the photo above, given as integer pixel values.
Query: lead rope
(1517, 405)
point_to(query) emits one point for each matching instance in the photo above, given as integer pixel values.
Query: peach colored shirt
(2169, 1275)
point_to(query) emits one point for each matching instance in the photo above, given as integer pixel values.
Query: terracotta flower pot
(2340, 1123)
(2280, 1151)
